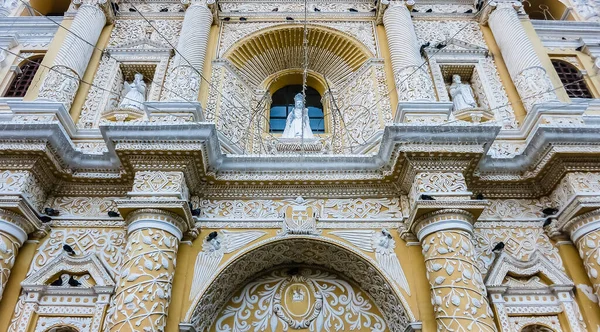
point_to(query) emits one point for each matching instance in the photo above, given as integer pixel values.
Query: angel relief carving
(135, 93)
(215, 246)
(383, 244)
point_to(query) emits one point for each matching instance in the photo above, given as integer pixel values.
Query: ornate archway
(299, 251)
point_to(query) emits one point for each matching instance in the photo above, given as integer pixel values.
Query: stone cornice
(404, 150)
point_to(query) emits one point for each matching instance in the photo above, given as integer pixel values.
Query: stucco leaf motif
(268, 304)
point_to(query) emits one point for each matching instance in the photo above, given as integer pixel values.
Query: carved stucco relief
(234, 32)
(108, 244)
(310, 299)
(346, 208)
(521, 239)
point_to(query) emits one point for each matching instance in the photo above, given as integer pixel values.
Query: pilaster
(529, 76)
(458, 293)
(13, 233)
(585, 233)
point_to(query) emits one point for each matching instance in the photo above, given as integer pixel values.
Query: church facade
(279, 165)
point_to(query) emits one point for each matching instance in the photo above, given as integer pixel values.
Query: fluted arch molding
(303, 250)
(332, 53)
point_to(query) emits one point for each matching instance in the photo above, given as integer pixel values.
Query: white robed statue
(462, 96)
(297, 124)
(135, 94)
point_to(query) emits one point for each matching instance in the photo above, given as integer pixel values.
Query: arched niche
(347, 74)
(331, 53)
(299, 251)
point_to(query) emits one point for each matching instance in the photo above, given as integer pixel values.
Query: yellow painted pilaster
(540, 50)
(511, 91)
(11, 294)
(53, 48)
(211, 54)
(389, 72)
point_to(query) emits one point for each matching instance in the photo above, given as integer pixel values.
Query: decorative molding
(521, 240)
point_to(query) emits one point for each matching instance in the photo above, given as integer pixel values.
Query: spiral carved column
(525, 68)
(62, 81)
(143, 291)
(412, 80)
(12, 237)
(458, 293)
(585, 233)
(184, 80)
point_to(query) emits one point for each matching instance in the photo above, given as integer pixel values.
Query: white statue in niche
(135, 94)
(462, 95)
(298, 123)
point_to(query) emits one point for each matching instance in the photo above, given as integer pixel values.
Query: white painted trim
(581, 231)
(444, 226)
(157, 224)
(13, 230)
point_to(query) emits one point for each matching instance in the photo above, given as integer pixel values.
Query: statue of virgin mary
(298, 124)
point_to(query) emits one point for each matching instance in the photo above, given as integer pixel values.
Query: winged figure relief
(215, 246)
(383, 244)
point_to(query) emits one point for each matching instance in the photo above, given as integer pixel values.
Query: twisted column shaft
(74, 55)
(525, 68)
(412, 82)
(184, 80)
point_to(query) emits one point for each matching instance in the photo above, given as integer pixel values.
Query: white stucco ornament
(135, 93)
(462, 95)
(298, 122)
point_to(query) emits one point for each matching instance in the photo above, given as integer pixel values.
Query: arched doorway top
(304, 250)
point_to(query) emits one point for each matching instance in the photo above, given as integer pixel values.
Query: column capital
(158, 219)
(19, 227)
(583, 224)
(443, 220)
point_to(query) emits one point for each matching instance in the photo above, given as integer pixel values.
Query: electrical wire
(77, 79)
(104, 52)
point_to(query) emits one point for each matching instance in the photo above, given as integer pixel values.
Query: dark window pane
(278, 112)
(284, 97)
(571, 79)
(19, 85)
(277, 125)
